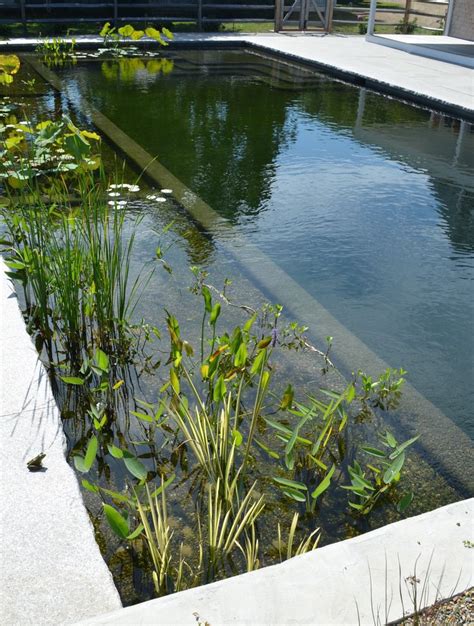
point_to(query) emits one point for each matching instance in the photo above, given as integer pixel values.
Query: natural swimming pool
(237, 131)
(367, 202)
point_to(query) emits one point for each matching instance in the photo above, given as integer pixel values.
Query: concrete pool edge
(389, 77)
(52, 571)
(348, 582)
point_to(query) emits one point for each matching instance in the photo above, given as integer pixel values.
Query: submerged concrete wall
(51, 569)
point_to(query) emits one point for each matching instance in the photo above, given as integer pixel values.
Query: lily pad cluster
(36, 151)
(9, 66)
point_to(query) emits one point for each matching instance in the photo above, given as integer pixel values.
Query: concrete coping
(365, 580)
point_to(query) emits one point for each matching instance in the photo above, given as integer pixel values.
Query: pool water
(365, 201)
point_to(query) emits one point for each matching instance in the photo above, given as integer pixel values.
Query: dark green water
(366, 201)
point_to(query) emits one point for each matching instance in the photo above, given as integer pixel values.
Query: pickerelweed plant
(222, 438)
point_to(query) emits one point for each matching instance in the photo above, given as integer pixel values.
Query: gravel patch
(457, 610)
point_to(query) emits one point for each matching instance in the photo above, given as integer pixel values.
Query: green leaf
(89, 486)
(91, 452)
(392, 442)
(402, 447)
(116, 521)
(207, 299)
(241, 356)
(373, 451)
(174, 380)
(237, 438)
(324, 484)
(219, 390)
(294, 494)
(258, 362)
(79, 463)
(405, 502)
(101, 360)
(292, 484)
(138, 531)
(216, 310)
(115, 452)
(134, 466)
(143, 416)
(264, 447)
(72, 380)
(287, 400)
(393, 470)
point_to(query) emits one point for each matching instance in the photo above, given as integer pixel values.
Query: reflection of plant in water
(127, 68)
(57, 51)
(9, 66)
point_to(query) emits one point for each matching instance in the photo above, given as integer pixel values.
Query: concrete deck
(350, 582)
(429, 82)
(51, 569)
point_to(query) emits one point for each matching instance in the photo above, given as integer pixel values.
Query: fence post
(329, 14)
(406, 17)
(199, 15)
(23, 14)
(302, 4)
(278, 15)
(371, 21)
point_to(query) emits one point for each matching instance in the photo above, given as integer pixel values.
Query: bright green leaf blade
(116, 521)
(91, 452)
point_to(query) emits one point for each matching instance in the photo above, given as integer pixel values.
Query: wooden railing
(200, 12)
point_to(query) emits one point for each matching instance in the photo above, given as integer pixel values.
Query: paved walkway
(51, 569)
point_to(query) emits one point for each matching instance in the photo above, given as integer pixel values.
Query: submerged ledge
(52, 571)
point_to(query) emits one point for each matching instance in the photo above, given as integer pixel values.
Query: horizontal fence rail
(116, 11)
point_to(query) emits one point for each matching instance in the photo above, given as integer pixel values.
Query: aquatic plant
(9, 66)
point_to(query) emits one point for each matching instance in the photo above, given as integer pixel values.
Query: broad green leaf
(115, 452)
(258, 362)
(264, 447)
(174, 380)
(393, 470)
(219, 389)
(91, 452)
(241, 356)
(134, 466)
(402, 447)
(373, 451)
(294, 494)
(143, 416)
(116, 521)
(293, 484)
(324, 484)
(237, 438)
(215, 312)
(287, 399)
(72, 380)
(101, 360)
(138, 531)
(405, 502)
(89, 486)
(79, 463)
(207, 299)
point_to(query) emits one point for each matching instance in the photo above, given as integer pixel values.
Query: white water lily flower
(114, 194)
(122, 203)
(160, 199)
(166, 191)
(133, 188)
(151, 197)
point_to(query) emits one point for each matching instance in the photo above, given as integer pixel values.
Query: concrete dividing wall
(462, 19)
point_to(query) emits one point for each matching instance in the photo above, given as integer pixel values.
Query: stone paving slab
(350, 582)
(51, 569)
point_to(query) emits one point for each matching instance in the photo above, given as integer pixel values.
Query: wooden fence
(200, 12)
